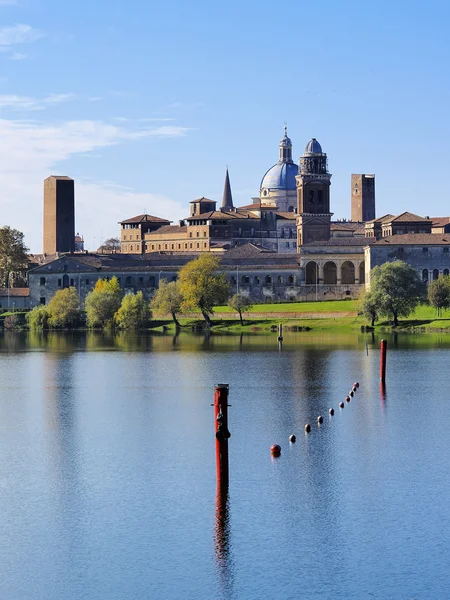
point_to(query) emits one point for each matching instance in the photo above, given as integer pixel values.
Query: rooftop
(145, 219)
(416, 239)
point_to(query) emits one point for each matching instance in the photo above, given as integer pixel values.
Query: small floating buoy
(347, 398)
(341, 404)
(353, 389)
(352, 393)
(307, 428)
(292, 438)
(320, 419)
(331, 411)
(356, 384)
(275, 450)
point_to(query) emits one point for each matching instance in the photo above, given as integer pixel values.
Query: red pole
(383, 352)
(222, 433)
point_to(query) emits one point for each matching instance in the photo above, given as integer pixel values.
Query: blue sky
(144, 104)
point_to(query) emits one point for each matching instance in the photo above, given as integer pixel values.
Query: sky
(145, 104)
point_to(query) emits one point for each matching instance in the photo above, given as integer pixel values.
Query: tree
(38, 318)
(240, 304)
(368, 306)
(133, 313)
(110, 246)
(397, 289)
(103, 302)
(168, 300)
(13, 255)
(64, 308)
(201, 286)
(439, 294)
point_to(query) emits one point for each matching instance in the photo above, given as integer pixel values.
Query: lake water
(107, 468)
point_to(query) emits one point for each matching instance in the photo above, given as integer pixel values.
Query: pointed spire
(285, 148)
(227, 202)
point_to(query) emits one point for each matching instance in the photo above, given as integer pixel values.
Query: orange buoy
(275, 450)
(347, 398)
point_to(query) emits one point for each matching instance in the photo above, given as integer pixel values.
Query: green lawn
(300, 307)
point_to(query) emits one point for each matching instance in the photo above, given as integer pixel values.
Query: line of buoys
(275, 450)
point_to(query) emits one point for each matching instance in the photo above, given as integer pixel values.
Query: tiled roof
(344, 241)
(14, 292)
(286, 215)
(254, 206)
(248, 251)
(202, 199)
(217, 214)
(417, 239)
(440, 221)
(346, 226)
(145, 219)
(382, 219)
(60, 177)
(408, 217)
(169, 229)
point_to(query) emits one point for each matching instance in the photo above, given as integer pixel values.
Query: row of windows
(131, 236)
(179, 246)
(267, 280)
(130, 226)
(428, 274)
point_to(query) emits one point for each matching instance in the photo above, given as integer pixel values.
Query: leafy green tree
(397, 289)
(64, 308)
(103, 302)
(133, 313)
(13, 256)
(368, 306)
(38, 318)
(240, 304)
(168, 300)
(439, 294)
(201, 286)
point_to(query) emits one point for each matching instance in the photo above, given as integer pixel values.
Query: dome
(280, 177)
(313, 147)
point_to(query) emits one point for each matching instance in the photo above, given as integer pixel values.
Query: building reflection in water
(222, 544)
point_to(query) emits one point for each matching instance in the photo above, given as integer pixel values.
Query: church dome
(280, 177)
(313, 147)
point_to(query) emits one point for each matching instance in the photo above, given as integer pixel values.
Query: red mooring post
(222, 434)
(383, 352)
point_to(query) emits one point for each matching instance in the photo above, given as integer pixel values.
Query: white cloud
(57, 98)
(7, 2)
(18, 34)
(28, 103)
(31, 151)
(18, 56)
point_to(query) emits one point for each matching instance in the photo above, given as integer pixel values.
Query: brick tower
(59, 214)
(313, 196)
(363, 197)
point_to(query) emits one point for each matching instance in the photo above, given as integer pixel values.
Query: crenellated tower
(313, 196)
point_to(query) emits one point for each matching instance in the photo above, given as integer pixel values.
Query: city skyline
(144, 109)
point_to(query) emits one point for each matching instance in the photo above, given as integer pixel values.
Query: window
(42, 281)
(172, 246)
(233, 280)
(179, 246)
(190, 245)
(445, 250)
(268, 279)
(294, 244)
(198, 245)
(153, 246)
(59, 282)
(190, 234)
(245, 280)
(291, 280)
(204, 234)
(280, 279)
(141, 281)
(198, 233)
(204, 244)
(87, 281)
(42, 300)
(256, 280)
(424, 249)
(445, 272)
(286, 244)
(425, 275)
(72, 282)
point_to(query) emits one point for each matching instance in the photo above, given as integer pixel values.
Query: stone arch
(435, 273)
(291, 209)
(65, 281)
(425, 275)
(151, 281)
(347, 272)
(268, 279)
(311, 273)
(445, 272)
(330, 273)
(362, 272)
(129, 281)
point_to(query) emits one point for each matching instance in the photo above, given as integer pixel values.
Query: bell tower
(313, 196)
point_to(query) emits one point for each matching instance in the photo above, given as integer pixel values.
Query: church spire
(227, 202)
(285, 148)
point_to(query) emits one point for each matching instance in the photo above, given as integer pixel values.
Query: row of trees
(396, 290)
(200, 287)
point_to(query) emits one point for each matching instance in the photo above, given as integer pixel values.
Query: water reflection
(222, 544)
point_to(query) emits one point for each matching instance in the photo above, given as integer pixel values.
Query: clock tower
(313, 196)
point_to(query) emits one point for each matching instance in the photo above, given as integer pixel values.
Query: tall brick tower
(313, 196)
(363, 197)
(59, 214)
